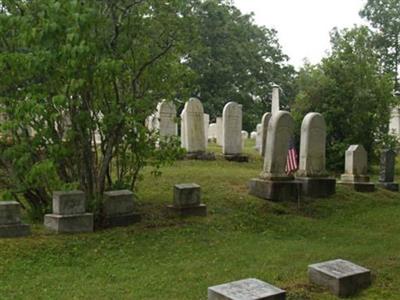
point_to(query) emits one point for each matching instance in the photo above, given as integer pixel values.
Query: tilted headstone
(166, 116)
(387, 170)
(232, 124)
(264, 132)
(219, 131)
(10, 220)
(187, 200)
(341, 277)
(118, 208)
(312, 172)
(275, 99)
(206, 126)
(274, 183)
(356, 167)
(194, 126)
(69, 213)
(247, 289)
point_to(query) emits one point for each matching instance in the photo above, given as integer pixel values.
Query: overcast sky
(303, 25)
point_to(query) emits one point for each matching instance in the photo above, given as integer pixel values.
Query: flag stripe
(291, 159)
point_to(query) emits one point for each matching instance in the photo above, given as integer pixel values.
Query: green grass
(171, 258)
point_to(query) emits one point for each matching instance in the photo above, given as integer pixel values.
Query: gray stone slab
(9, 212)
(198, 210)
(274, 190)
(68, 203)
(341, 277)
(247, 289)
(14, 230)
(387, 166)
(187, 195)
(317, 187)
(118, 203)
(69, 223)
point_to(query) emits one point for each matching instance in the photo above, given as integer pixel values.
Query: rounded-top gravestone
(193, 120)
(232, 128)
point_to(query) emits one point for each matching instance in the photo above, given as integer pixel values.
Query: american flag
(291, 159)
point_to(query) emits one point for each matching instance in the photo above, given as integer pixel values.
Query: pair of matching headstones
(274, 183)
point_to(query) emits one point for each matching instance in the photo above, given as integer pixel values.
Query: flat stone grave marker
(10, 220)
(187, 200)
(118, 209)
(247, 289)
(69, 214)
(341, 277)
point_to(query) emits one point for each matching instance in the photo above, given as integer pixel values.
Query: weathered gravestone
(10, 220)
(387, 170)
(275, 99)
(232, 132)
(247, 289)
(245, 136)
(193, 135)
(187, 200)
(264, 132)
(183, 129)
(166, 119)
(118, 209)
(356, 167)
(274, 184)
(206, 126)
(258, 137)
(253, 135)
(69, 213)
(312, 173)
(341, 277)
(212, 132)
(220, 130)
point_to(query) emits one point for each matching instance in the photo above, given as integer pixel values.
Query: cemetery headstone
(356, 167)
(193, 131)
(166, 116)
(183, 129)
(312, 173)
(10, 220)
(247, 289)
(206, 126)
(118, 209)
(232, 132)
(258, 137)
(253, 135)
(387, 170)
(69, 213)
(274, 184)
(245, 136)
(219, 131)
(212, 132)
(187, 200)
(264, 132)
(275, 99)
(341, 277)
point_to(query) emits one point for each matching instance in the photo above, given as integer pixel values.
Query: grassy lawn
(171, 258)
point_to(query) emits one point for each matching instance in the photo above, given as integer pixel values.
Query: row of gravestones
(69, 211)
(195, 128)
(342, 278)
(312, 179)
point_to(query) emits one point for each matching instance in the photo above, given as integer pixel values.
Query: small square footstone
(247, 289)
(187, 200)
(118, 209)
(10, 220)
(341, 277)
